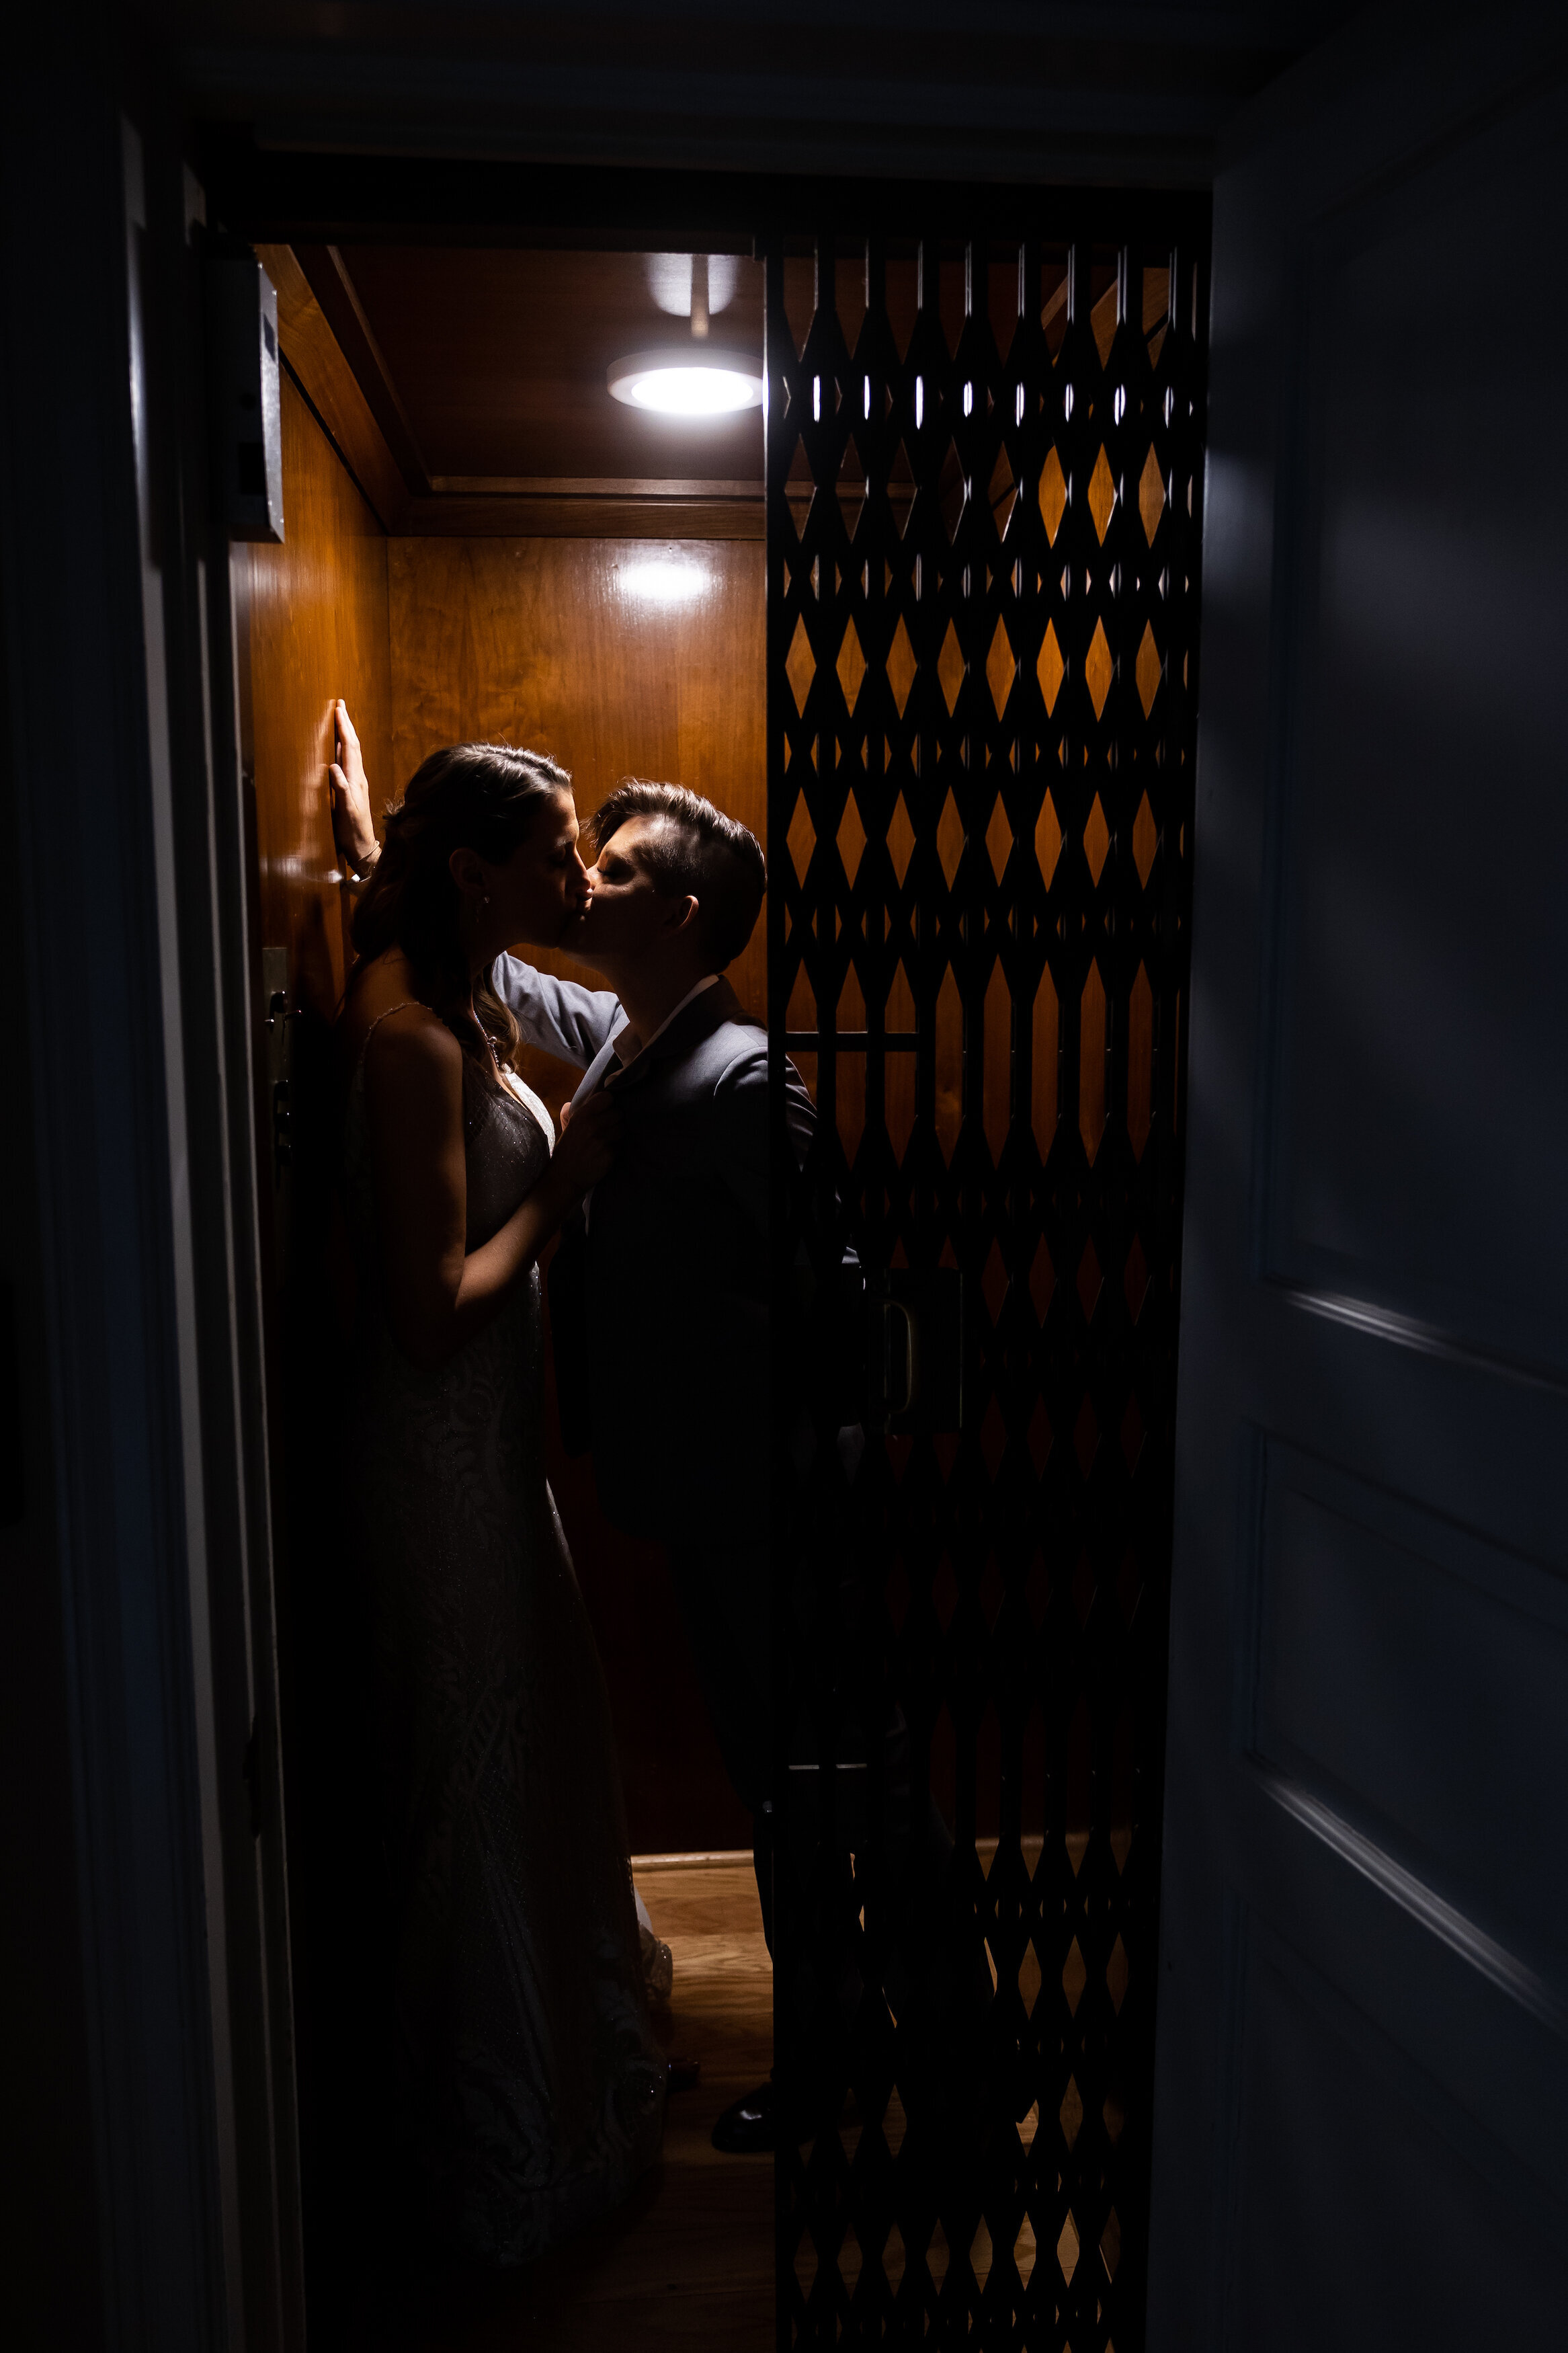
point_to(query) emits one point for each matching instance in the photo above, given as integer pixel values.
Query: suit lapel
(696, 1021)
(691, 1026)
(593, 1075)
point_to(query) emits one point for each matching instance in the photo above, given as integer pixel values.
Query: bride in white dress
(529, 2089)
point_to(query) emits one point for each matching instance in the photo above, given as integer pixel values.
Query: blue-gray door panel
(1363, 2064)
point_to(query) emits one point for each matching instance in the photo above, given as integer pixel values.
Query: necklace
(503, 1076)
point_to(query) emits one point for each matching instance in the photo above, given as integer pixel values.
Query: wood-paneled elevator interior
(480, 544)
(931, 632)
(570, 609)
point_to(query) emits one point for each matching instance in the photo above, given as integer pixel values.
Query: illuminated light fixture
(689, 380)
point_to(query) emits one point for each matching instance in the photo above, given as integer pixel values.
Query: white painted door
(1362, 2108)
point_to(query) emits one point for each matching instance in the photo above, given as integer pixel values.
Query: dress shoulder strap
(402, 1007)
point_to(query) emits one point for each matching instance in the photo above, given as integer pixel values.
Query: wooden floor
(688, 2261)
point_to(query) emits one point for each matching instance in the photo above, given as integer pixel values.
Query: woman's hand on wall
(354, 830)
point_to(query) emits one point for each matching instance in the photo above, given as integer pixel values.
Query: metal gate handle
(892, 1307)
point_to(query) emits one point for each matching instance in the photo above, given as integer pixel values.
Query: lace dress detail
(530, 2091)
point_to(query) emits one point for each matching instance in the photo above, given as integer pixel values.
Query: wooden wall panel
(318, 629)
(578, 647)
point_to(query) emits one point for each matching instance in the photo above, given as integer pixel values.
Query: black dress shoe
(749, 2125)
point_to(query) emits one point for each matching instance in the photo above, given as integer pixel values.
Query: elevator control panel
(248, 418)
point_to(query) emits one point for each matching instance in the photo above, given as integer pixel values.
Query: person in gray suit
(659, 1291)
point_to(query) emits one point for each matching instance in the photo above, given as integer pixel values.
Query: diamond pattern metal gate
(982, 481)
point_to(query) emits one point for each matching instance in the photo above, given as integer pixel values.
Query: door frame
(121, 749)
(132, 857)
(260, 197)
(1266, 1883)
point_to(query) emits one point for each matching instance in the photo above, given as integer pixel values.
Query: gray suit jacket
(672, 1355)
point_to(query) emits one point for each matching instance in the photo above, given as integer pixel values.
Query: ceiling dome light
(689, 380)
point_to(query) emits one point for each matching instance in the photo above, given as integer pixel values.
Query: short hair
(696, 851)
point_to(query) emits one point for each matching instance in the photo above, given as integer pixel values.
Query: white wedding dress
(530, 2091)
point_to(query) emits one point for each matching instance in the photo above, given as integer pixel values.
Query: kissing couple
(530, 2091)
